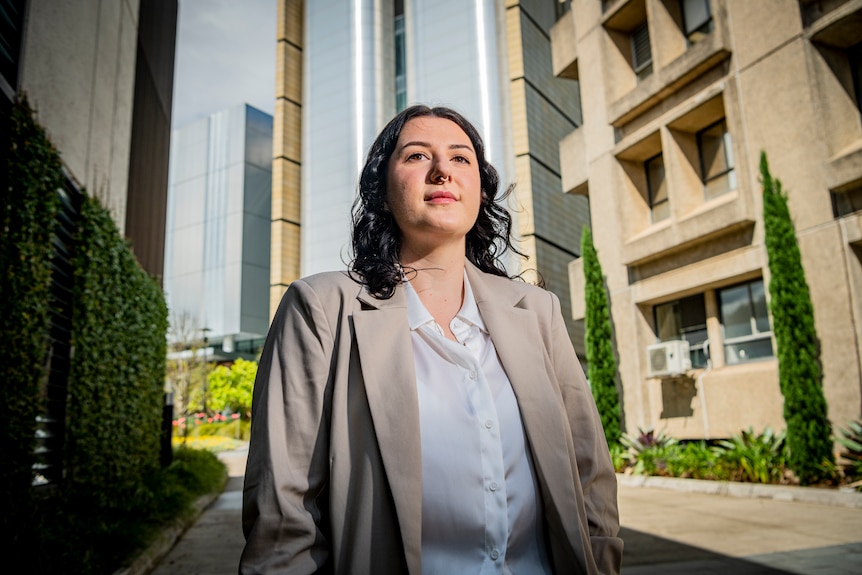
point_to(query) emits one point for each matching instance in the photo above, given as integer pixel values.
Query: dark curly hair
(376, 237)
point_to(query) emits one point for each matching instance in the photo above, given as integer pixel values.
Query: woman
(425, 413)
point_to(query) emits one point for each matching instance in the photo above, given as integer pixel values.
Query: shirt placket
(493, 471)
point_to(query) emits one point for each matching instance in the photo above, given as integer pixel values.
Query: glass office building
(218, 228)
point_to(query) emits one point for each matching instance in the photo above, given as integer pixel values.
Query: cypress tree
(809, 441)
(602, 367)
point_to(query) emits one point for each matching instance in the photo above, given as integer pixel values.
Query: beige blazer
(334, 476)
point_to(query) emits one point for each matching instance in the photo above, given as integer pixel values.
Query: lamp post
(206, 360)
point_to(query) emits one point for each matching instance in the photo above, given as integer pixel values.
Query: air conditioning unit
(668, 358)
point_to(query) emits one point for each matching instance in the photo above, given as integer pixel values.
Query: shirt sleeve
(287, 467)
(595, 469)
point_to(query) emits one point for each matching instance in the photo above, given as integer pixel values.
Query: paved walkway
(667, 529)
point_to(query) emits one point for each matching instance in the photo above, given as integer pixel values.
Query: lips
(441, 197)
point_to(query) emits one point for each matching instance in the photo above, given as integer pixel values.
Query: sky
(225, 56)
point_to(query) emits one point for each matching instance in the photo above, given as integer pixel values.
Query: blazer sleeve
(288, 467)
(596, 472)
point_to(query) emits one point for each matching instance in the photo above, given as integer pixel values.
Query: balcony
(573, 164)
(564, 47)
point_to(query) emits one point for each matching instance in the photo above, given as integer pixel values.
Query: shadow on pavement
(648, 554)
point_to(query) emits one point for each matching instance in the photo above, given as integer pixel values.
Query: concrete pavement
(673, 527)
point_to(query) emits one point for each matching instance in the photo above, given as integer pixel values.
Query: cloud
(225, 56)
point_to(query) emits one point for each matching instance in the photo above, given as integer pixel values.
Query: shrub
(602, 367)
(754, 458)
(809, 433)
(851, 439)
(697, 460)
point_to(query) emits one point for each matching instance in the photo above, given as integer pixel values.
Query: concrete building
(679, 98)
(100, 77)
(216, 274)
(344, 68)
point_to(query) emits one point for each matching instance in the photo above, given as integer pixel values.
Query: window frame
(755, 335)
(643, 68)
(692, 36)
(729, 159)
(653, 204)
(696, 350)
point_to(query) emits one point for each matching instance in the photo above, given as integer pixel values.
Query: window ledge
(845, 168)
(715, 218)
(666, 81)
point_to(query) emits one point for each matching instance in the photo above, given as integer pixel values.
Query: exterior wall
(287, 152)
(79, 74)
(219, 201)
(780, 91)
(544, 109)
(149, 154)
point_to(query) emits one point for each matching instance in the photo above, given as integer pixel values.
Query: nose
(440, 171)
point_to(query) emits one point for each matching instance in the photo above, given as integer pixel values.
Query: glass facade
(217, 242)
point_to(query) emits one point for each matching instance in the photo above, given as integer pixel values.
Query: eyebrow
(427, 145)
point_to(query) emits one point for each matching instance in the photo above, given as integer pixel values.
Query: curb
(150, 557)
(821, 496)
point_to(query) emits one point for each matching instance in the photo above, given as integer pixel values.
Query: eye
(415, 156)
(461, 159)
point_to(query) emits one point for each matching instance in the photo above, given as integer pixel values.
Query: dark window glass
(11, 24)
(657, 188)
(685, 319)
(716, 160)
(744, 317)
(854, 58)
(641, 52)
(844, 203)
(697, 19)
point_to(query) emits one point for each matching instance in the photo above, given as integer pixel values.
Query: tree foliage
(231, 387)
(602, 369)
(809, 441)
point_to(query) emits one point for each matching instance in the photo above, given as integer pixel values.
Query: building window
(697, 19)
(685, 319)
(657, 189)
(854, 58)
(846, 202)
(641, 52)
(11, 27)
(744, 317)
(716, 160)
(561, 7)
(400, 58)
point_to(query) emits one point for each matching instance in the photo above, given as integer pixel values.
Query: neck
(438, 280)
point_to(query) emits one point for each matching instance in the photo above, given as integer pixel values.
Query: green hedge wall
(115, 388)
(116, 385)
(27, 212)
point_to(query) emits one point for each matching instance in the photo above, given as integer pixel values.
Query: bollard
(166, 454)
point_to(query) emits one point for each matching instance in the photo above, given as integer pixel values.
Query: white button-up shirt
(481, 509)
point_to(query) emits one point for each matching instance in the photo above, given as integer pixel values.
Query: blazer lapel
(517, 337)
(386, 356)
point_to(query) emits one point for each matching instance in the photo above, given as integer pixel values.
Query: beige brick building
(679, 98)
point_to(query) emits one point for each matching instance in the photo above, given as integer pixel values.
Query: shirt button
(489, 424)
(494, 486)
(472, 374)
(494, 553)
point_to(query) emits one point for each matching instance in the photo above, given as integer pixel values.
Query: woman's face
(434, 188)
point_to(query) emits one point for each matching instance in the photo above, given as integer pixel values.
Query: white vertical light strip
(483, 77)
(357, 63)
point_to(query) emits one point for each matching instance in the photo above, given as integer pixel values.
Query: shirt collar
(418, 315)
